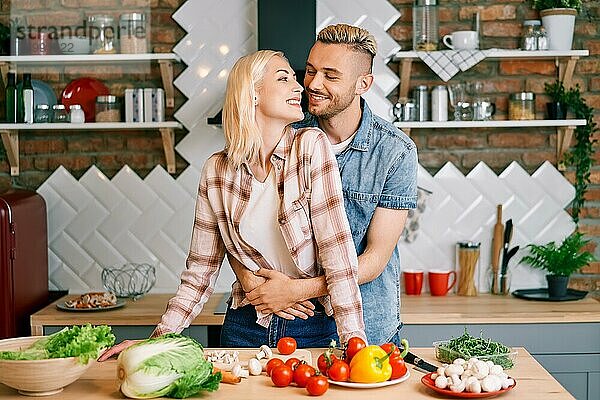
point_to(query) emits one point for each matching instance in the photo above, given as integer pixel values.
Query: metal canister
(421, 95)
(439, 103)
(409, 113)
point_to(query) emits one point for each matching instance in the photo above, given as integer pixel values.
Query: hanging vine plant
(581, 154)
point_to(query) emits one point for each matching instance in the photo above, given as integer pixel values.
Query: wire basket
(129, 280)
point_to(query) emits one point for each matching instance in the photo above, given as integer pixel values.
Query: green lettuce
(84, 342)
(171, 365)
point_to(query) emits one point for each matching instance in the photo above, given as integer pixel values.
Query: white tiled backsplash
(96, 221)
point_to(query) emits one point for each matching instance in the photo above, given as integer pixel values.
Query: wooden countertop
(533, 383)
(423, 309)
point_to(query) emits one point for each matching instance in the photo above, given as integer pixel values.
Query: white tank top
(259, 226)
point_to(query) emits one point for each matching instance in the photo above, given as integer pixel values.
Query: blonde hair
(242, 136)
(358, 39)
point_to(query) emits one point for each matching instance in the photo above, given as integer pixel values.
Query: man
(378, 166)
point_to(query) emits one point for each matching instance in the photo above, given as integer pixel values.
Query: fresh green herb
(549, 4)
(467, 346)
(84, 342)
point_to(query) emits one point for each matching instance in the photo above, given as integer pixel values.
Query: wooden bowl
(38, 377)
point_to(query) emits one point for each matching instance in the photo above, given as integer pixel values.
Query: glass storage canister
(133, 33)
(467, 263)
(521, 106)
(60, 113)
(529, 36)
(108, 109)
(42, 114)
(425, 25)
(103, 33)
(77, 114)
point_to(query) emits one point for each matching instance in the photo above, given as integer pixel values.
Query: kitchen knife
(419, 362)
(508, 231)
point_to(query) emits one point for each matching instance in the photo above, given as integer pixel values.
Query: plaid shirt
(312, 220)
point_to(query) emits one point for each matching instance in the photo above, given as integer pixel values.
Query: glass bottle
(529, 35)
(103, 33)
(42, 114)
(11, 97)
(27, 99)
(425, 25)
(542, 39)
(60, 113)
(77, 115)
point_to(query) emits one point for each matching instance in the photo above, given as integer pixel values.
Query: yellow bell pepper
(370, 365)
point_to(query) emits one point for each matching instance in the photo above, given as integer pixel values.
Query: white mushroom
(458, 388)
(455, 380)
(434, 376)
(474, 386)
(264, 352)
(459, 361)
(441, 382)
(468, 373)
(454, 369)
(471, 379)
(441, 371)
(480, 369)
(491, 383)
(507, 382)
(237, 370)
(254, 366)
(496, 370)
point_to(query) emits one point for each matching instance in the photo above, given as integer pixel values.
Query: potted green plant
(559, 261)
(558, 18)
(557, 108)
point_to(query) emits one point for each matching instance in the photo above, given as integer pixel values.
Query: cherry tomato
(354, 345)
(317, 385)
(398, 367)
(339, 371)
(272, 363)
(292, 362)
(302, 373)
(286, 345)
(387, 347)
(323, 364)
(282, 375)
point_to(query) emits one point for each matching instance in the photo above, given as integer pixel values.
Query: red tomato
(282, 375)
(398, 367)
(354, 345)
(292, 362)
(317, 385)
(387, 347)
(286, 345)
(339, 371)
(302, 373)
(323, 364)
(272, 363)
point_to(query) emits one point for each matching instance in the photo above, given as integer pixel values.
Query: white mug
(462, 40)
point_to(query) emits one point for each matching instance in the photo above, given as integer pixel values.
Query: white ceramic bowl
(38, 377)
(74, 45)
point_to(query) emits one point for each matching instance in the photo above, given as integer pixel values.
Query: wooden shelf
(10, 136)
(165, 61)
(491, 124)
(564, 60)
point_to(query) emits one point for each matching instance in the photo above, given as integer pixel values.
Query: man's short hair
(358, 39)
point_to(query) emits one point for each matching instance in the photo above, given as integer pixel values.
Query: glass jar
(133, 33)
(529, 37)
(60, 113)
(103, 34)
(467, 263)
(425, 25)
(77, 114)
(42, 113)
(108, 109)
(521, 106)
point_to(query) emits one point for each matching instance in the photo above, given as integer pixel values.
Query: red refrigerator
(23, 260)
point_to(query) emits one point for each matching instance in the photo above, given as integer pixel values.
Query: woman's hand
(302, 310)
(116, 349)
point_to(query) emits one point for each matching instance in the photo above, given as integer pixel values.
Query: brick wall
(501, 24)
(41, 152)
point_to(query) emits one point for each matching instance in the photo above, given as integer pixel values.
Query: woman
(271, 199)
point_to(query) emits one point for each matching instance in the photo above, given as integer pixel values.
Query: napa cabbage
(171, 365)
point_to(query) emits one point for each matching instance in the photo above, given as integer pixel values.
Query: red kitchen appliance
(23, 260)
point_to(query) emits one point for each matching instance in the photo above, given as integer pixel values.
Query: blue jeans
(241, 330)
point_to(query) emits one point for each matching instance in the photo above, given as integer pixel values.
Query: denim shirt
(378, 169)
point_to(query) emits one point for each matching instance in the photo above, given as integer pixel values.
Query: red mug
(413, 281)
(438, 282)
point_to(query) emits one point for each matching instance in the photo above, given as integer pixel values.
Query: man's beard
(334, 107)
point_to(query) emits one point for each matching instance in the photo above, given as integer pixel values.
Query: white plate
(371, 385)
